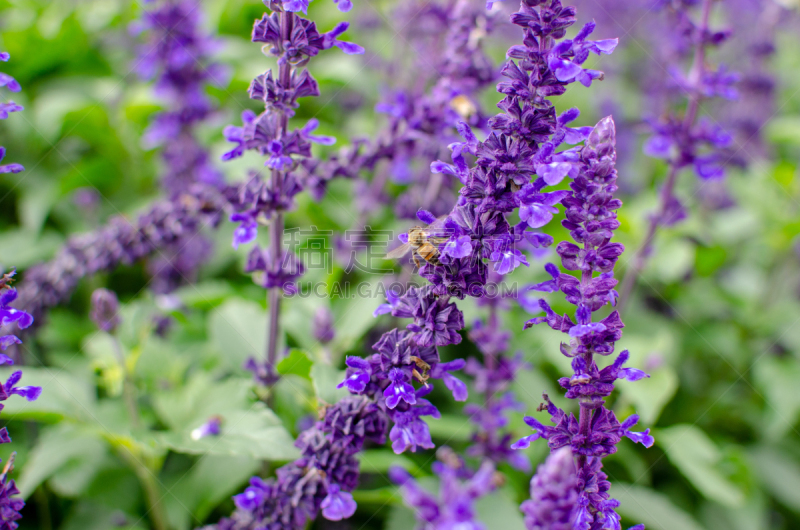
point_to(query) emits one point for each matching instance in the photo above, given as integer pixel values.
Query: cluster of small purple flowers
(462, 70)
(459, 488)
(176, 53)
(294, 41)
(680, 136)
(320, 479)
(120, 241)
(492, 376)
(594, 434)
(5, 109)
(523, 142)
(9, 317)
(677, 138)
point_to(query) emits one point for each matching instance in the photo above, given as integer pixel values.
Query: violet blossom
(527, 129)
(293, 40)
(10, 506)
(591, 219)
(176, 54)
(554, 494)
(105, 310)
(120, 241)
(684, 138)
(454, 507)
(5, 109)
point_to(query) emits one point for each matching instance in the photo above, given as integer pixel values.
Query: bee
(8, 467)
(6, 280)
(424, 368)
(423, 244)
(463, 106)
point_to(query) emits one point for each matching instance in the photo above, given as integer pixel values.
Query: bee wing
(438, 222)
(435, 232)
(399, 252)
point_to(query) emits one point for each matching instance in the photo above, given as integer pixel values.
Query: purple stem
(276, 227)
(586, 407)
(665, 197)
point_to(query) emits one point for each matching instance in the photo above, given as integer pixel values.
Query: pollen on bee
(463, 106)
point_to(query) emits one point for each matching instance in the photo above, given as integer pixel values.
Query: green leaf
(380, 460)
(698, 459)
(779, 473)
(35, 204)
(201, 398)
(784, 129)
(648, 396)
(450, 428)
(75, 452)
(377, 496)
(28, 250)
(655, 510)
(401, 517)
(353, 318)
(256, 433)
(708, 259)
(674, 258)
(211, 480)
(297, 363)
(325, 378)
(498, 510)
(205, 295)
(237, 329)
(63, 396)
(88, 515)
(777, 379)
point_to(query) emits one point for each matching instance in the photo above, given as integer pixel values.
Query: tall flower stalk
(477, 235)
(10, 318)
(493, 375)
(294, 41)
(177, 54)
(6, 108)
(683, 140)
(120, 242)
(591, 219)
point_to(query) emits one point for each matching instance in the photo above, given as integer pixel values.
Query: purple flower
(213, 427)
(359, 373)
(554, 494)
(322, 325)
(10, 506)
(321, 479)
(410, 432)
(454, 507)
(398, 389)
(177, 55)
(105, 310)
(537, 209)
(9, 315)
(6, 108)
(337, 505)
(392, 299)
(247, 230)
(271, 272)
(594, 434)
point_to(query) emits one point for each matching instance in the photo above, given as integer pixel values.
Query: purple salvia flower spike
(591, 220)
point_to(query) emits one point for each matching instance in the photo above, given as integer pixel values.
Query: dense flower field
(433, 264)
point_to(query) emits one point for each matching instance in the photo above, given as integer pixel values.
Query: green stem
(128, 388)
